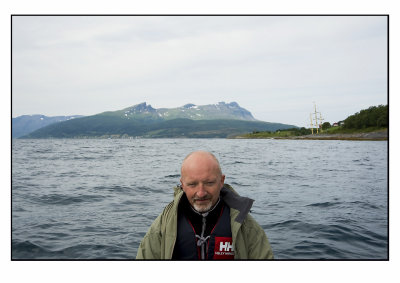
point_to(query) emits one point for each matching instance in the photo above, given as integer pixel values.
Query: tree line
(374, 116)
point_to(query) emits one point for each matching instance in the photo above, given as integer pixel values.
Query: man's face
(201, 181)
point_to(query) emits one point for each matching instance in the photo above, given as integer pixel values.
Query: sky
(274, 66)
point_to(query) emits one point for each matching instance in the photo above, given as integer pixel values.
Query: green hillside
(103, 126)
(374, 116)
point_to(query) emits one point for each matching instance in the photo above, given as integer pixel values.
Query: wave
(361, 204)
(324, 204)
(365, 204)
(311, 249)
(173, 176)
(327, 241)
(26, 250)
(113, 188)
(151, 189)
(234, 183)
(60, 199)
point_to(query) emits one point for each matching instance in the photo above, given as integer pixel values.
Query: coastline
(371, 136)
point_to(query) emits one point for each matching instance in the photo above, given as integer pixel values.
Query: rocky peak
(188, 106)
(142, 108)
(220, 110)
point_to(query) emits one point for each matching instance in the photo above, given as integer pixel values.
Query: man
(206, 220)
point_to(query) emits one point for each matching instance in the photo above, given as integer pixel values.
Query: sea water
(96, 198)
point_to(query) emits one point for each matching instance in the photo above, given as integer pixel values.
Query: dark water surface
(95, 199)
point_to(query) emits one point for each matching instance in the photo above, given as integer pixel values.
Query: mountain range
(25, 124)
(220, 120)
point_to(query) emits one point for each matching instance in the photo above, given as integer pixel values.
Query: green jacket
(249, 239)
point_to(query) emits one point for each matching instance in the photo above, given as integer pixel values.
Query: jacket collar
(235, 201)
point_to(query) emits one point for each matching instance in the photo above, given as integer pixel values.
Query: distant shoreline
(371, 136)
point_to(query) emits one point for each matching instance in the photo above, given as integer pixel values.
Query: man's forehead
(199, 159)
(199, 155)
(199, 165)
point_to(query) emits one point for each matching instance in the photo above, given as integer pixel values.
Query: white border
(93, 271)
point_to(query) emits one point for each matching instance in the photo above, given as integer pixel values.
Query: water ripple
(60, 199)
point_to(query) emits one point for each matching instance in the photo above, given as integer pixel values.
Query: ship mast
(311, 125)
(316, 120)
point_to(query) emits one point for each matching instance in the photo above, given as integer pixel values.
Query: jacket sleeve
(257, 241)
(150, 247)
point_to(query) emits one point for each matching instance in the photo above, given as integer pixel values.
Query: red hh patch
(223, 248)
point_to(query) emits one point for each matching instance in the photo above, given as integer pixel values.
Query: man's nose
(201, 192)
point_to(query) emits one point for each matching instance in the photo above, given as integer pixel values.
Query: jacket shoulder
(257, 241)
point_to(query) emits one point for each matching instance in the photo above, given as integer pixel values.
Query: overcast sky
(274, 66)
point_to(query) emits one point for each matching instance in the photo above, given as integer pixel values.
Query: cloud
(266, 63)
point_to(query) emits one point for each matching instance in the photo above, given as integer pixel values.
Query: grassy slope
(330, 131)
(340, 130)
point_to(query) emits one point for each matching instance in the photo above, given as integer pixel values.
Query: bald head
(201, 157)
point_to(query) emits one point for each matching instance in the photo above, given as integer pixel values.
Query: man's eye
(210, 183)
